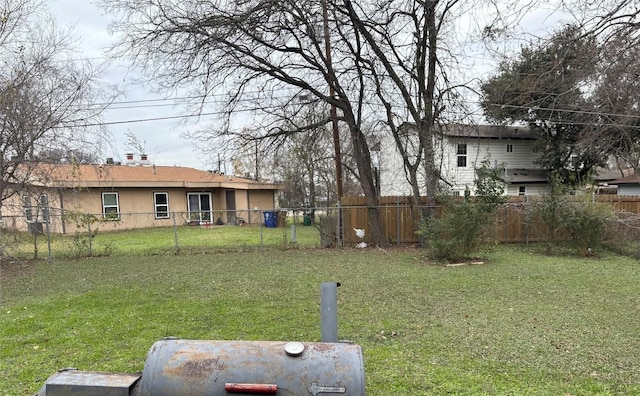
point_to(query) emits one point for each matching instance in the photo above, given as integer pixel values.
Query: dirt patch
(12, 268)
(474, 262)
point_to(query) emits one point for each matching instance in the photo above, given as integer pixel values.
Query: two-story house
(460, 149)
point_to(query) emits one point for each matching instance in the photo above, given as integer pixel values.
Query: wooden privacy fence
(512, 221)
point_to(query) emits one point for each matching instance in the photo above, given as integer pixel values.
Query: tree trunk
(362, 156)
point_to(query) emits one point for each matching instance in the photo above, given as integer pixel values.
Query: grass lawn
(521, 324)
(160, 240)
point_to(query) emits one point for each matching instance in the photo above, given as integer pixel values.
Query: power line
(374, 104)
(584, 112)
(165, 118)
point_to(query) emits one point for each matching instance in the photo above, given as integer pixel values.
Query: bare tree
(370, 61)
(305, 161)
(609, 20)
(262, 54)
(409, 74)
(65, 155)
(46, 97)
(615, 104)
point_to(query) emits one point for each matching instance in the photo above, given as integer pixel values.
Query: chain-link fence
(72, 235)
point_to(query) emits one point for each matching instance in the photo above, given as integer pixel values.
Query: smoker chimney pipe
(329, 311)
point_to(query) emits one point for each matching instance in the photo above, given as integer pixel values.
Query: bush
(462, 228)
(622, 234)
(457, 232)
(552, 208)
(587, 223)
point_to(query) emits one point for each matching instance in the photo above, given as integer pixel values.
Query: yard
(160, 240)
(520, 324)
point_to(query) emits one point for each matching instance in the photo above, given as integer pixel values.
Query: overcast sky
(163, 140)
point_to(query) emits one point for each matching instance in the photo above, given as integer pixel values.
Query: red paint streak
(262, 389)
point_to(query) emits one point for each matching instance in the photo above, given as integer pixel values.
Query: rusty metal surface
(86, 383)
(202, 368)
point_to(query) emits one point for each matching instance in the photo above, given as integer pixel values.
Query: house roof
(488, 131)
(542, 176)
(87, 176)
(631, 179)
(524, 176)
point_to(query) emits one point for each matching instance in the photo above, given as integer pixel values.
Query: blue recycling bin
(271, 219)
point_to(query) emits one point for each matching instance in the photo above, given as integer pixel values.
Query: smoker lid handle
(262, 389)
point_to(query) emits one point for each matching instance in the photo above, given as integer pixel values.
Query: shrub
(622, 234)
(462, 228)
(587, 224)
(457, 232)
(552, 208)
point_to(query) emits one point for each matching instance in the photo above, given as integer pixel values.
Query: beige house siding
(259, 199)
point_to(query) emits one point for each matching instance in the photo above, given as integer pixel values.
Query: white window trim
(117, 206)
(156, 205)
(461, 155)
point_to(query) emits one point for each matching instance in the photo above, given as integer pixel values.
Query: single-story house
(526, 181)
(628, 185)
(136, 196)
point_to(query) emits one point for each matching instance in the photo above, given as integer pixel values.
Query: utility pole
(257, 166)
(334, 112)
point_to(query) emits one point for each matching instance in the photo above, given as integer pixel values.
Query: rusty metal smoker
(209, 368)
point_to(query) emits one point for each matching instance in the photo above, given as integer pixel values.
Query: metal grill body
(199, 368)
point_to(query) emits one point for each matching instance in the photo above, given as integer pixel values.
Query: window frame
(461, 153)
(522, 190)
(158, 214)
(107, 215)
(198, 215)
(28, 209)
(44, 207)
(509, 148)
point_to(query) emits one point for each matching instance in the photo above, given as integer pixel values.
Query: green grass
(159, 241)
(522, 324)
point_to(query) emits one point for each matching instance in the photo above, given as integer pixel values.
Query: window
(462, 155)
(161, 205)
(28, 209)
(574, 161)
(522, 190)
(44, 204)
(509, 148)
(199, 207)
(110, 206)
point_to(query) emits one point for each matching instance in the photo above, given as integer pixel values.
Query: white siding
(393, 180)
(530, 189)
(478, 150)
(628, 189)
